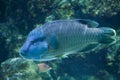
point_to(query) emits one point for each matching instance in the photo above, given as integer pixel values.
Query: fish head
(34, 47)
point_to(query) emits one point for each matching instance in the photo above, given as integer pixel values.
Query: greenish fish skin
(63, 37)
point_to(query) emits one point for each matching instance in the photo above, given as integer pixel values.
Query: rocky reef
(19, 17)
(96, 7)
(19, 69)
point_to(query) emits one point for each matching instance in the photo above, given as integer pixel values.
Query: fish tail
(108, 35)
(118, 36)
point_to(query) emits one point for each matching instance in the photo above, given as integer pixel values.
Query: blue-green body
(63, 37)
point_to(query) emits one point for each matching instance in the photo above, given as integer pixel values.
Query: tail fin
(118, 36)
(108, 35)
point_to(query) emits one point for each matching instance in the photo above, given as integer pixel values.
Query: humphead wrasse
(64, 37)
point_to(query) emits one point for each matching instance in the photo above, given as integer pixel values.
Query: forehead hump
(35, 34)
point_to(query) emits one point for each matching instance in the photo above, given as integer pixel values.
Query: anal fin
(90, 47)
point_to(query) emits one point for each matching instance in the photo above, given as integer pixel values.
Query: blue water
(19, 17)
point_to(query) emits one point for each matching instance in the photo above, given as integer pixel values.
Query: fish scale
(63, 37)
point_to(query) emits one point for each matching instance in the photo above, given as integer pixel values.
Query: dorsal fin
(90, 23)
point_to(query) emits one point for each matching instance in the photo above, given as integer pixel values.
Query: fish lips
(34, 52)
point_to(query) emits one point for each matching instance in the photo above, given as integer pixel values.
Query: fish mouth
(26, 55)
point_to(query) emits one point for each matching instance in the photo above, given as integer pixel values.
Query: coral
(10, 40)
(65, 77)
(96, 7)
(20, 69)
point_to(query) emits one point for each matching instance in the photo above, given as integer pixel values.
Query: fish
(43, 67)
(60, 38)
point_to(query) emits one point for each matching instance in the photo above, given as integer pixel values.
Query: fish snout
(24, 49)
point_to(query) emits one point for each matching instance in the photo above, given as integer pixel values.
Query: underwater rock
(96, 7)
(113, 60)
(10, 39)
(65, 77)
(20, 69)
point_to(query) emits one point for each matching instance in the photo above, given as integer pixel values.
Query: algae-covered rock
(20, 69)
(96, 7)
(10, 40)
(65, 77)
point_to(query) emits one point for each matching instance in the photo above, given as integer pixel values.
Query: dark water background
(19, 17)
